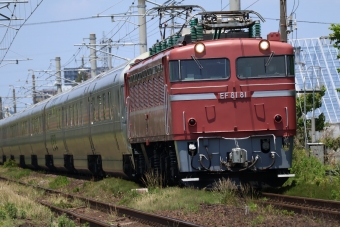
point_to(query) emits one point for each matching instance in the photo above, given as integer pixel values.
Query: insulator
(194, 22)
(193, 34)
(199, 31)
(151, 51)
(158, 47)
(164, 44)
(256, 29)
(154, 51)
(251, 35)
(193, 30)
(171, 41)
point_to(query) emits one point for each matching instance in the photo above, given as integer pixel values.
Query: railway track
(136, 215)
(302, 205)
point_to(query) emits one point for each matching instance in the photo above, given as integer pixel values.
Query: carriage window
(199, 69)
(104, 107)
(99, 107)
(94, 115)
(81, 113)
(262, 67)
(110, 105)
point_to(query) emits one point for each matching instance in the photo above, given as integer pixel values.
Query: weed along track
(131, 217)
(302, 205)
(85, 200)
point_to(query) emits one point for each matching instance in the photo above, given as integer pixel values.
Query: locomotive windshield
(263, 67)
(199, 69)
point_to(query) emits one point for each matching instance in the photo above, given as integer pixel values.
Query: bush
(2, 215)
(226, 189)
(59, 182)
(22, 214)
(63, 221)
(307, 169)
(10, 163)
(11, 210)
(153, 180)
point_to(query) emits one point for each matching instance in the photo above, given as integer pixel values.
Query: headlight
(264, 45)
(199, 48)
(192, 122)
(278, 118)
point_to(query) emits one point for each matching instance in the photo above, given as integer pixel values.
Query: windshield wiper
(270, 58)
(197, 62)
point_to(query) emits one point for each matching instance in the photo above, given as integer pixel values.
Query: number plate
(232, 95)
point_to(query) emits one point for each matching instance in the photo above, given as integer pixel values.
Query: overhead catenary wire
(8, 41)
(252, 4)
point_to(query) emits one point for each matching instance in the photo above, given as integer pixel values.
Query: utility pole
(34, 94)
(1, 116)
(235, 5)
(93, 55)
(14, 102)
(283, 20)
(142, 26)
(110, 56)
(172, 21)
(58, 70)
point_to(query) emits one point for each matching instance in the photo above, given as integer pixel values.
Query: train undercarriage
(172, 165)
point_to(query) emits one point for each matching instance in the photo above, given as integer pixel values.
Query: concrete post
(93, 55)
(142, 26)
(283, 20)
(14, 102)
(1, 115)
(34, 94)
(58, 70)
(110, 56)
(235, 5)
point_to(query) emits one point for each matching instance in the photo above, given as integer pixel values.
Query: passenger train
(214, 100)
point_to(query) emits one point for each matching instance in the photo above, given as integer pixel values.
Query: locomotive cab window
(263, 67)
(199, 69)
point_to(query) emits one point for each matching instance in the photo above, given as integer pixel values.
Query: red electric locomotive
(213, 100)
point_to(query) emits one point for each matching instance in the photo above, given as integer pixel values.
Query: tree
(335, 36)
(82, 76)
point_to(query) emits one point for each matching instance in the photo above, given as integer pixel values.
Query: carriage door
(65, 122)
(91, 113)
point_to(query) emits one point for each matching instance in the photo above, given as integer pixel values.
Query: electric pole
(1, 116)
(235, 5)
(172, 21)
(283, 20)
(14, 102)
(142, 26)
(93, 55)
(34, 94)
(110, 56)
(58, 70)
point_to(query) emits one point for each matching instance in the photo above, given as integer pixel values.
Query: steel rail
(107, 207)
(82, 219)
(304, 205)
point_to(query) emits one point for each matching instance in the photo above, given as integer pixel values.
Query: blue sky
(44, 42)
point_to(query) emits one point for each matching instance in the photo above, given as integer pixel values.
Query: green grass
(112, 186)
(174, 198)
(16, 173)
(58, 182)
